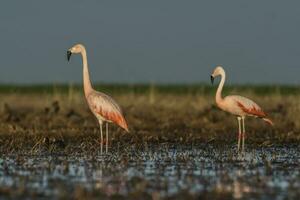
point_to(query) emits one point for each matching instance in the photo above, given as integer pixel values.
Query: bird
(104, 108)
(237, 105)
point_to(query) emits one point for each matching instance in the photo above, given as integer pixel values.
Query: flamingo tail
(268, 121)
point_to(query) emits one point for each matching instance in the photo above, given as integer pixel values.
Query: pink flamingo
(102, 106)
(237, 105)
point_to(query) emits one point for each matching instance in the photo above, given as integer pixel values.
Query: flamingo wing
(249, 107)
(103, 105)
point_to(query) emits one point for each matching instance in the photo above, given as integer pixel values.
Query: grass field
(42, 121)
(180, 114)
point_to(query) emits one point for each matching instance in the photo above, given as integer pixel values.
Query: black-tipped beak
(69, 53)
(212, 79)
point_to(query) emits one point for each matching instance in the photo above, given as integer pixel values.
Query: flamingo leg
(101, 146)
(240, 133)
(106, 137)
(244, 132)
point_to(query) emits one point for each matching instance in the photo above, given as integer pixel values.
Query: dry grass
(31, 122)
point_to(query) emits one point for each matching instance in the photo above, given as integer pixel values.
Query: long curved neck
(220, 88)
(86, 76)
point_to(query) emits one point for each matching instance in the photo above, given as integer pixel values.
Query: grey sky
(150, 41)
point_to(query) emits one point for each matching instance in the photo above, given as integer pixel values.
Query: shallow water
(157, 171)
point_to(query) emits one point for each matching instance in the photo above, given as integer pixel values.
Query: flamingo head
(217, 72)
(78, 48)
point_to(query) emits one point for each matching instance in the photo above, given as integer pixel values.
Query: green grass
(179, 89)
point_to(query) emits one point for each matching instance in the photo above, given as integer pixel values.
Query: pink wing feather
(107, 108)
(251, 108)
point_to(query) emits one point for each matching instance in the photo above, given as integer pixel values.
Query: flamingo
(102, 106)
(237, 105)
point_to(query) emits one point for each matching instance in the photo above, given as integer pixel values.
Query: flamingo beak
(69, 53)
(212, 79)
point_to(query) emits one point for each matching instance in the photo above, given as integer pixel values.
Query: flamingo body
(106, 109)
(240, 106)
(237, 105)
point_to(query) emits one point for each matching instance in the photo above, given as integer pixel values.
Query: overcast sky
(150, 41)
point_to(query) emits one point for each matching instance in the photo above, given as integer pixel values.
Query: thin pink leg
(240, 133)
(106, 137)
(244, 133)
(101, 146)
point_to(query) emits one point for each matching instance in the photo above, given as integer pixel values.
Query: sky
(165, 41)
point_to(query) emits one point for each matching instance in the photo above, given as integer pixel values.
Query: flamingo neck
(219, 97)
(86, 76)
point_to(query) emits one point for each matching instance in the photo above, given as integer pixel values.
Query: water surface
(157, 171)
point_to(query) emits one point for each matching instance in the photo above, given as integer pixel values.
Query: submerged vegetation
(178, 139)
